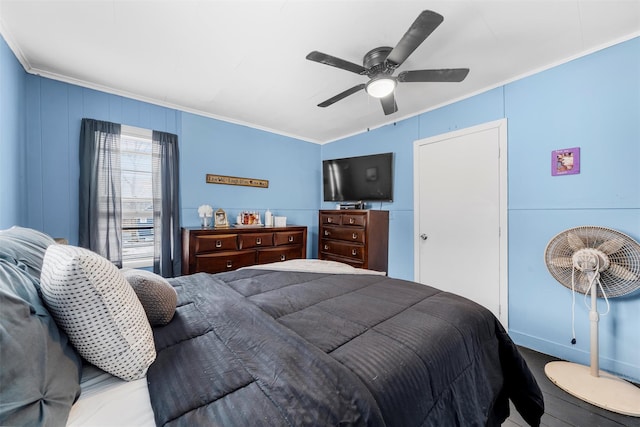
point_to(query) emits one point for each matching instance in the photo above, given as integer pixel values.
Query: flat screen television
(362, 178)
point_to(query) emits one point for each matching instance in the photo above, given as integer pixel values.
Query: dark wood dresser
(216, 250)
(356, 237)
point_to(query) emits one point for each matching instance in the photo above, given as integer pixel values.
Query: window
(137, 197)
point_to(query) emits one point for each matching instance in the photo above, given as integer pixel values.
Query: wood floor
(562, 409)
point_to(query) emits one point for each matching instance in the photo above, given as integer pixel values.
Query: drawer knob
(218, 243)
(354, 252)
(326, 232)
(355, 236)
(329, 219)
(290, 239)
(229, 264)
(258, 241)
(283, 258)
(351, 220)
(326, 247)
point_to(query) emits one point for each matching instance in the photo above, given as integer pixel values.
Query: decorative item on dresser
(205, 212)
(218, 250)
(356, 237)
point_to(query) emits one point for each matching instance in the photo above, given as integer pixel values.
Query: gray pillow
(25, 247)
(40, 372)
(155, 293)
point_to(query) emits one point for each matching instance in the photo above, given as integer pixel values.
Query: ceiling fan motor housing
(375, 61)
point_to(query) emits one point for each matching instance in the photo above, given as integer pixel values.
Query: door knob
(424, 236)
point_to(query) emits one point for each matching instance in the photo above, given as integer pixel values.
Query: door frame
(501, 125)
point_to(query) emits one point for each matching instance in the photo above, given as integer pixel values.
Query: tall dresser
(216, 250)
(356, 237)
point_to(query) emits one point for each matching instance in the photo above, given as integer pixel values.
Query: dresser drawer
(343, 233)
(349, 261)
(357, 220)
(330, 219)
(288, 238)
(343, 249)
(224, 261)
(218, 242)
(277, 254)
(254, 240)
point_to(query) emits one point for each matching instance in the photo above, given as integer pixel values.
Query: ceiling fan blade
(389, 105)
(424, 25)
(323, 58)
(444, 75)
(341, 95)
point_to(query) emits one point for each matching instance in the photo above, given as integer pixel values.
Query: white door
(460, 214)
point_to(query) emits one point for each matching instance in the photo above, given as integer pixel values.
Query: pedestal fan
(598, 262)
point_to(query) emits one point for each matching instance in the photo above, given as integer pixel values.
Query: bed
(297, 343)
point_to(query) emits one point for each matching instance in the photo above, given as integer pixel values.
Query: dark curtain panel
(166, 205)
(100, 203)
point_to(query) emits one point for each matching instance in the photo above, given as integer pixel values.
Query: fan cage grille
(627, 256)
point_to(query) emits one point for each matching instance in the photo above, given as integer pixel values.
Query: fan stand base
(606, 391)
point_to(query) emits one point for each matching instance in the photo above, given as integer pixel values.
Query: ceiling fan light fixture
(379, 87)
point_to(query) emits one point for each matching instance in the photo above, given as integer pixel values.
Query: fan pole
(594, 318)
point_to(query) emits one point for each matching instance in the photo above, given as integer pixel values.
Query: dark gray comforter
(258, 347)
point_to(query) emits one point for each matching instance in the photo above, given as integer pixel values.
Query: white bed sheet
(106, 400)
(316, 266)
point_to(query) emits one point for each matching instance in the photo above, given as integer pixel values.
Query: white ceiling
(244, 61)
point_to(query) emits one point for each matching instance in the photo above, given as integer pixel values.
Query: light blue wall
(12, 137)
(291, 166)
(54, 111)
(592, 102)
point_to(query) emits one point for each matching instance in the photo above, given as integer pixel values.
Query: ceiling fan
(380, 63)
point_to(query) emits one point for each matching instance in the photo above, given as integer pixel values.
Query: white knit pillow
(94, 304)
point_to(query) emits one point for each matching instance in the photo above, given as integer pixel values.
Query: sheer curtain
(166, 205)
(100, 195)
(100, 208)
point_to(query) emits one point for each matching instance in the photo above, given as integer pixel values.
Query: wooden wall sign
(234, 180)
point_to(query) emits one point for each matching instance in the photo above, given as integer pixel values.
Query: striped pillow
(94, 304)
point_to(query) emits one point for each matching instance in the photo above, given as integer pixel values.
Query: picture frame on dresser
(221, 219)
